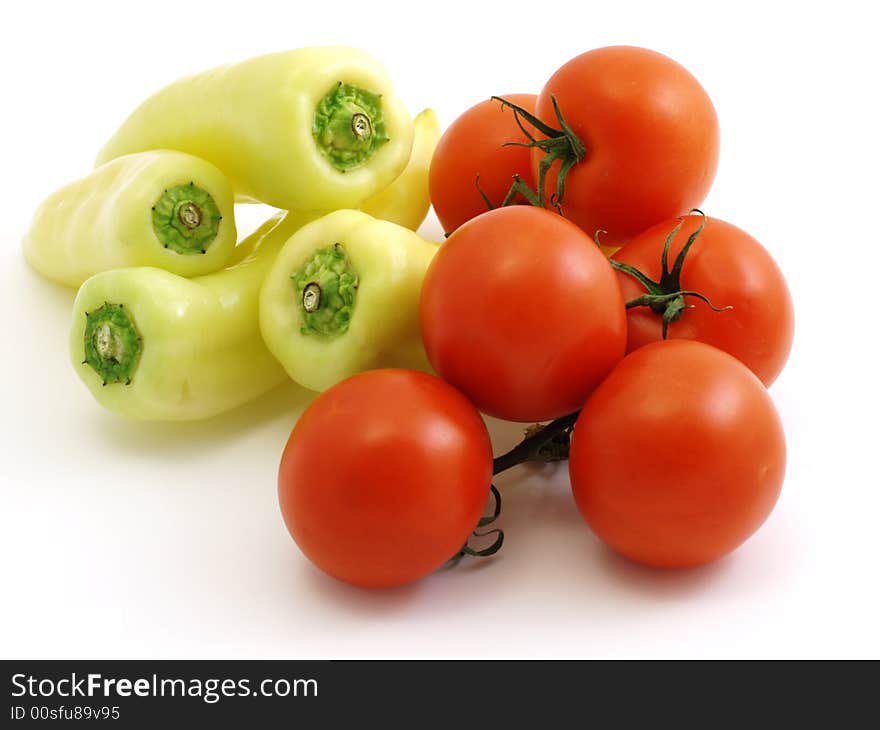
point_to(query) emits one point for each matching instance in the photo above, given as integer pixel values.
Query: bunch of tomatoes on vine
(579, 288)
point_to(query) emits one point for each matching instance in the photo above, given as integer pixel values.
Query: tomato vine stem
(495, 545)
(542, 444)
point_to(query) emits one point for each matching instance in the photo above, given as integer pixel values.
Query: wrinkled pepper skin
(136, 210)
(343, 297)
(406, 201)
(309, 129)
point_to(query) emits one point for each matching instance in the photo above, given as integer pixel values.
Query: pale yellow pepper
(154, 346)
(343, 296)
(308, 129)
(161, 208)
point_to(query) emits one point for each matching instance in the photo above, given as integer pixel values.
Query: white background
(121, 539)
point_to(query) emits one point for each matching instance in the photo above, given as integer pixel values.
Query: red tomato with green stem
(472, 146)
(725, 265)
(639, 142)
(522, 313)
(678, 456)
(384, 477)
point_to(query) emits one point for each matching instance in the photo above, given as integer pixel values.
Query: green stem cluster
(560, 144)
(111, 343)
(666, 296)
(349, 126)
(326, 290)
(542, 444)
(186, 219)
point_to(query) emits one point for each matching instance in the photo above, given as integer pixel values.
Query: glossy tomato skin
(471, 146)
(651, 135)
(732, 269)
(522, 313)
(384, 477)
(678, 457)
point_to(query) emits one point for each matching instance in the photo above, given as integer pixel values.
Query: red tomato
(384, 477)
(732, 269)
(522, 313)
(472, 146)
(678, 456)
(651, 138)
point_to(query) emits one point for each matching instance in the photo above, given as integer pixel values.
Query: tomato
(651, 137)
(471, 146)
(733, 270)
(678, 456)
(522, 313)
(384, 477)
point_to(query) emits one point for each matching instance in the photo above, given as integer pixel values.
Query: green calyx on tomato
(186, 219)
(560, 144)
(326, 288)
(666, 297)
(349, 126)
(112, 343)
(518, 187)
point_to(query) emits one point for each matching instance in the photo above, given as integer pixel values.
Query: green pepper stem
(190, 215)
(111, 344)
(312, 296)
(326, 290)
(349, 126)
(186, 219)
